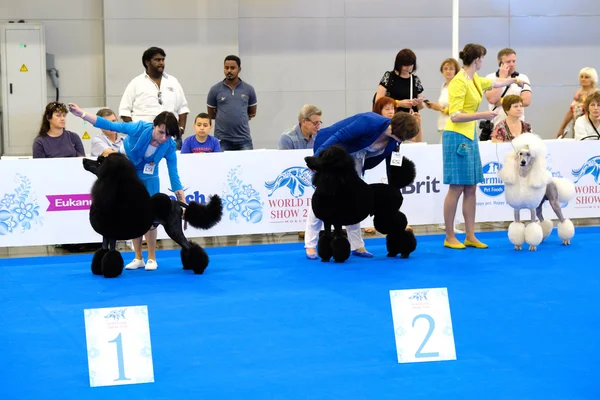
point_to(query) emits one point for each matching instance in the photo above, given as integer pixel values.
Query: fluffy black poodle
(122, 209)
(342, 198)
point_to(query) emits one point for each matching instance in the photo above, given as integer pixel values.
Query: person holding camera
(507, 64)
(460, 147)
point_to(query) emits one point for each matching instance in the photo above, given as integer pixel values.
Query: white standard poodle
(528, 184)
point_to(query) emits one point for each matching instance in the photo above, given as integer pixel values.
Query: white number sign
(422, 325)
(118, 346)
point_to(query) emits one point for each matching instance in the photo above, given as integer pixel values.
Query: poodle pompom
(510, 170)
(194, 258)
(533, 234)
(341, 248)
(547, 227)
(566, 231)
(566, 189)
(112, 264)
(402, 176)
(204, 216)
(516, 233)
(97, 261)
(402, 243)
(324, 249)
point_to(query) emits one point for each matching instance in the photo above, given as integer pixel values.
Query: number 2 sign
(422, 325)
(118, 346)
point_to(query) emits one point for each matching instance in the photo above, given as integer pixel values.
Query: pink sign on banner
(69, 202)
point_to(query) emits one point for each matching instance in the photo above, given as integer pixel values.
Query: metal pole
(455, 23)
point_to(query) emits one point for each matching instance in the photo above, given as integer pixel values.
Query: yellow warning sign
(86, 135)
(23, 68)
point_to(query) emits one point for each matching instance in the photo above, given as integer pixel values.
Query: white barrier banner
(46, 202)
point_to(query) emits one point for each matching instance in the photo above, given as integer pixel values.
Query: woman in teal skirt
(462, 162)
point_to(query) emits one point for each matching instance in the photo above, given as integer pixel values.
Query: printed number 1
(119, 342)
(418, 354)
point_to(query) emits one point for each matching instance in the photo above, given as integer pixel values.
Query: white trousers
(314, 226)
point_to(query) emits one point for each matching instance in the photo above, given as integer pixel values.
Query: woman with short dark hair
(402, 85)
(145, 146)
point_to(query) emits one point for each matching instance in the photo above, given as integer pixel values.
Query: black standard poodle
(342, 198)
(122, 209)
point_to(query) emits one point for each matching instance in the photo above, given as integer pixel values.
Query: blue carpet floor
(264, 322)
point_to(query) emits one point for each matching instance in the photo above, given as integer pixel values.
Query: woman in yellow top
(462, 162)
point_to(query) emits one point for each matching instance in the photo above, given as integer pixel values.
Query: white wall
(328, 52)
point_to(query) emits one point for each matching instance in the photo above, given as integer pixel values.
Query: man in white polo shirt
(507, 65)
(153, 92)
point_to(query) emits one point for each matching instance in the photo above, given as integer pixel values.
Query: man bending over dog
(369, 138)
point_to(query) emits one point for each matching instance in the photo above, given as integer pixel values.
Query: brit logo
(296, 179)
(492, 185)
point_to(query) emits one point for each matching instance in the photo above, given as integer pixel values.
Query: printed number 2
(119, 342)
(418, 354)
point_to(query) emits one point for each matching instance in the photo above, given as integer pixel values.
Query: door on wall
(25, 78)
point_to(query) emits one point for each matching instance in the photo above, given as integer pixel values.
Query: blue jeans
(227, 145)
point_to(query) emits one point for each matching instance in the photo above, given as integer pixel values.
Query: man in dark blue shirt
(232, 104)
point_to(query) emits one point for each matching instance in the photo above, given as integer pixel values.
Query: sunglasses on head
(56, 105)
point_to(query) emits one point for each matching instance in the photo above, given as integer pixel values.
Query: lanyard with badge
(396, 157)
(149, 168)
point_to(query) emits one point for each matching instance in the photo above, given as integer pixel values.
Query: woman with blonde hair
(449, 69)
(588, 79)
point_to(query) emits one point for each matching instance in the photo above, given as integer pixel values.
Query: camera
(486, 130)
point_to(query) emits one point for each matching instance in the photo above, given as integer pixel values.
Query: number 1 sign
(118, 346)
(422, 325)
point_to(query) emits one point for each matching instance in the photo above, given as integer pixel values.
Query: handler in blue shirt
(369, 138)
(145, 146)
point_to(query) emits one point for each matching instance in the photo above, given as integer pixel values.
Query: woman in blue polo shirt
(145, 146)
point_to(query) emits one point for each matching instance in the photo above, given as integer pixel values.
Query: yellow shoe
(477, 244)
(458, 246)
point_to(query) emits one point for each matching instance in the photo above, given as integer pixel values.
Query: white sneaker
(151, 265)
(135, 264)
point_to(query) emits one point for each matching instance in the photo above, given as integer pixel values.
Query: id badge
(149, 168)
(396, 159)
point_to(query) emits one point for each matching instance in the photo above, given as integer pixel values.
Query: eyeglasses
(316, 124)
(160, 98)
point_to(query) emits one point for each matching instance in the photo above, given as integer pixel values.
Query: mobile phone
(500, 64)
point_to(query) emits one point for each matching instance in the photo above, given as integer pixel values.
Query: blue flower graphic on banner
(241, 200)
(20, 208)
